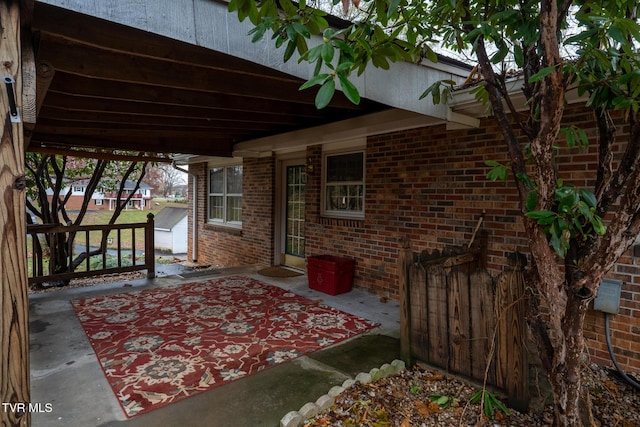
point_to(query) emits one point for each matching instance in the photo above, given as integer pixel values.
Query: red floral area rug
(162, 345)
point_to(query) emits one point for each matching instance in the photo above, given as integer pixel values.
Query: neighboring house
(170, 230)
(356, 192)
(106, 200)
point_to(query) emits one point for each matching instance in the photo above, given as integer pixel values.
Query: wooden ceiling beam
(50, 114)
(213, 146)
(191, 97)
(151, 124)
(61, 105)
(132, 131)
(77, 28)
(109, 65)
(100, 155)
(117, 87)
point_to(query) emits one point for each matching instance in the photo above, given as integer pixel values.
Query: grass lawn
(133, 216)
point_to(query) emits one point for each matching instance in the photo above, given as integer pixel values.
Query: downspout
(194, 217)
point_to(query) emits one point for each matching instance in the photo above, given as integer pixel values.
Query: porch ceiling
(120, 88)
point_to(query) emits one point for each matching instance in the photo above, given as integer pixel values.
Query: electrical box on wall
(608, 298)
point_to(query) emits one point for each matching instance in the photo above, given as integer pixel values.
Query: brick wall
(430, 185)
(253, 244)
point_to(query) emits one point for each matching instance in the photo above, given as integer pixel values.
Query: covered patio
(65, 371)
(162, 77)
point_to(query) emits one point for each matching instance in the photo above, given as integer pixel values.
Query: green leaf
(434, 90)
(325, 94)
(258, 33)
(379, 61)
(320, 78)
(524, 178)
(288, 7)
(301, 29)
(430, 54)
(498, 171)
(301, 45)
(312, 54)
(350, 91)
(542, 74)
(598, 226)
(518, 56)
(588, 197)
(501, 53)
(327, 53)
(540, 214)
(290, 49)
(532, 200)
(344, 67)
(328, 34)
(393, 7)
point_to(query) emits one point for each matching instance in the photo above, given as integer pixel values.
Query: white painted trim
(355, 144)
(461, 121)
(279, 228)
(214, 162)
(388, 121)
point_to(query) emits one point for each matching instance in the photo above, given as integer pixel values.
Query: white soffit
(392, 120)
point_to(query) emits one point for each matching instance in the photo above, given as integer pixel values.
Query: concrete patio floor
(65, 372)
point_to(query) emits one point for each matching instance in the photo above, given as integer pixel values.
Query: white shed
(170, 230)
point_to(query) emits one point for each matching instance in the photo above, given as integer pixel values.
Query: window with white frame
(343, 194)
(225, 195)
(99, 202)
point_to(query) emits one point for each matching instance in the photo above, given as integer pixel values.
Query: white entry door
(293, 215)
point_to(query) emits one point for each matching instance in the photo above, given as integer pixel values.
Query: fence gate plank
(482, 326)
(405, 258)
(438, 333)
(419, 311)
(512, 373)
(459, 321)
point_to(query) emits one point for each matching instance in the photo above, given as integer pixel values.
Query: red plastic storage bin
(330, 274)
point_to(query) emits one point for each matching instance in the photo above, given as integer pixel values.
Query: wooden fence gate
(457, 317)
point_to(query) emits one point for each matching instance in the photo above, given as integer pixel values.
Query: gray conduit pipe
(194, 216)
(630, 380)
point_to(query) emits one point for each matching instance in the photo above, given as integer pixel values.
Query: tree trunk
(14, 333)
(562, 350)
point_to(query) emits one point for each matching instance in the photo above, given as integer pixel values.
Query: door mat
(159, 346)
(279, 272)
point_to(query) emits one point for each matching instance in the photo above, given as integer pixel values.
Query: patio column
(14, 331)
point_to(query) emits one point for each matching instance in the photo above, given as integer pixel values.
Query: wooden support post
(36, 88)
(149, 249)
(14, 304)
(405, 259)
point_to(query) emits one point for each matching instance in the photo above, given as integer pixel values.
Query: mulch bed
(426, 397)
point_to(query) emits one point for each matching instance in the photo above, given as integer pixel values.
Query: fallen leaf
(434, 377)
(422, 409)
(434, 407)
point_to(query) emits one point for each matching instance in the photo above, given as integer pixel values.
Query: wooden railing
(454, 315)
(43, 241)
